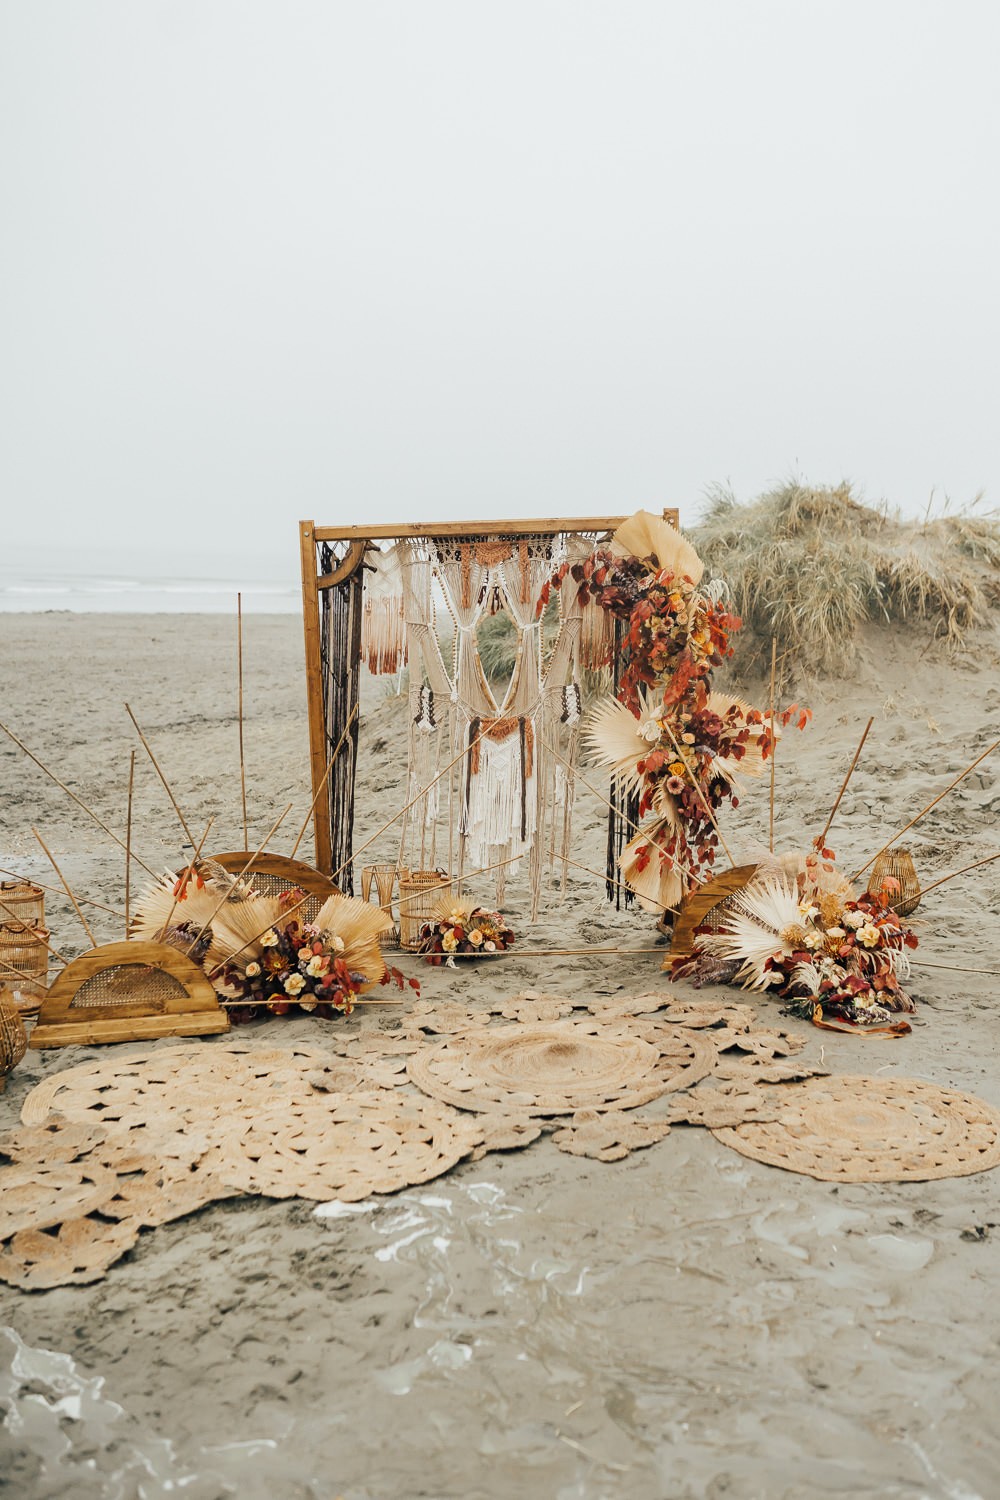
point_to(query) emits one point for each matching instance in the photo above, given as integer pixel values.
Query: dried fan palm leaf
(158, 905)
(659, 885)
(646, 535)
(239, 927)
(755, 928)
(613, 738)
(359, 925)
(752, 763)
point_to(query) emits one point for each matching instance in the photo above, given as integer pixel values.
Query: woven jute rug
(857, 1129)
(562, 1067)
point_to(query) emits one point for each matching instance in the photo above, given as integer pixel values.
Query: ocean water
(39, 587)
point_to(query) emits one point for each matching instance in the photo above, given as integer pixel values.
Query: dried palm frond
(752, 763)
(159, 906)
(646, 535)
(755, 928)
(660, 884)
(239, 928)
(359, 925)
(614, 739)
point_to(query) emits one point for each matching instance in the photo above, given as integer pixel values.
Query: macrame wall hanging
(490, 770)
(510, 793)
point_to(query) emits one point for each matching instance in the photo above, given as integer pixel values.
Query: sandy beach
(686, 1323)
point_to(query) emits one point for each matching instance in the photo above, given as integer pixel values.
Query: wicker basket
(22, 903)
(420, 891)
(896, 864)
(13, 1037)
(24, 959)
(384, 879)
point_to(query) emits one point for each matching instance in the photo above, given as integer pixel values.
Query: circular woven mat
(873, 1130)
(170, 1084)
(561, 1067)
(204, 1123)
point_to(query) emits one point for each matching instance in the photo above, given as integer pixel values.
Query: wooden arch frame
(315, 580)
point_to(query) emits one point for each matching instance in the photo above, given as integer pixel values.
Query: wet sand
(686, 1323)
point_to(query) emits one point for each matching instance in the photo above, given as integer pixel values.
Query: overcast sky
(416, 259)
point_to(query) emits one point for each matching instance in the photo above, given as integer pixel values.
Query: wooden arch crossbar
(344, 548)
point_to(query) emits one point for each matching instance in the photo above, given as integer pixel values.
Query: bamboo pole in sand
(71, 794)
(166, 785)
(52, 861)
(239, 674)
(924, 810)
(819, 842)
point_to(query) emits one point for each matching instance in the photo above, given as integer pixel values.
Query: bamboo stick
(565, 859)
(181, 883)
(701, 796)
(166, 785)
(389, 1000)
(35, 934)
(267, 838)
(774, 742)
(55, 891)
(580, 777)
(469, 875)
(818, 843)
(954, 874)
(550, 952)
(52, 861)
(239, 673)
(466, 750)
(128, 842)
(954, 968)
(326, 777)
(78, 800)
(924, 810)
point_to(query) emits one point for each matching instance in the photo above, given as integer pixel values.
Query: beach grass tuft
(810, 566)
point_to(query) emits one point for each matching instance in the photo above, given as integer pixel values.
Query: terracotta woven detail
(874, 1130)
(561, 1067)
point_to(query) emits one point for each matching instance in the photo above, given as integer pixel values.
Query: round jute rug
(858, 1129)
(561, 1067)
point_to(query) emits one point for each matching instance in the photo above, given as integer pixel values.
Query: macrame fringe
(383, 635)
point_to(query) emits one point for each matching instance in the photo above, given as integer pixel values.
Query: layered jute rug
(124, 1143)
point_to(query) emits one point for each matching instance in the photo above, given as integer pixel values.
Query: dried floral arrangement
(259, 951)
(836, 957)
(472, 931)
(673, 745)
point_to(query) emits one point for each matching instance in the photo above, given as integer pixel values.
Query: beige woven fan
(646, 535)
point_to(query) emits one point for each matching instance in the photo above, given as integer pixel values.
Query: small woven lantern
(420, 891)
(896, 865)
(13, 1037)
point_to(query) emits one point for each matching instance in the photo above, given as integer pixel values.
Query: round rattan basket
(24, 960)
(13, 1037)
(896, 865)
(420, 892)
(21, 902)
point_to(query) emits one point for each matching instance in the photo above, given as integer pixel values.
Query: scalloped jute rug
(562, 1067)
(857, 1129)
